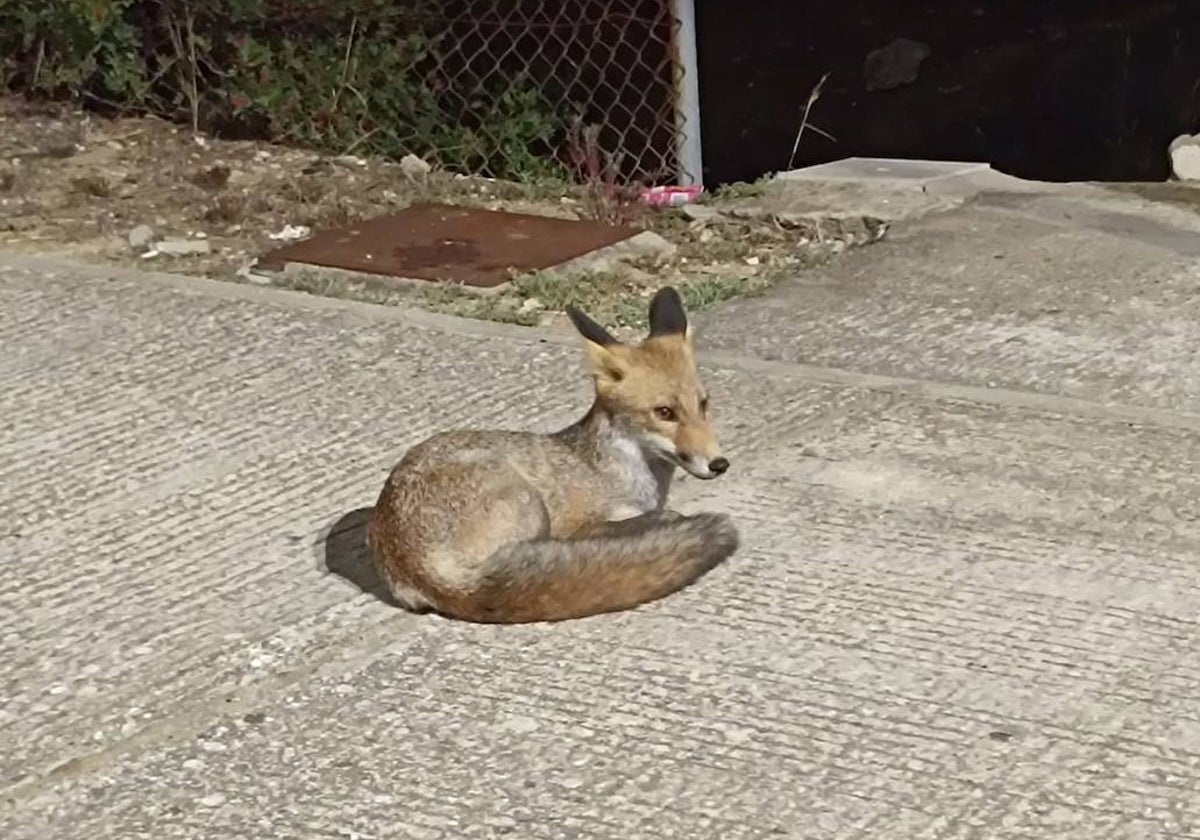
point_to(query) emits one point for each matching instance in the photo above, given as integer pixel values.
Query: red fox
(510, 527)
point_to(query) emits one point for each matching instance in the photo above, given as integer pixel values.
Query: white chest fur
(642, 483)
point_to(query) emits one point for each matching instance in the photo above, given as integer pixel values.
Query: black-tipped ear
(666, 314)
(589, 329)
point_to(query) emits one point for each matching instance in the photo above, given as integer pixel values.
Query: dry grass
(119, 174)
(613, 297)
(813, 96)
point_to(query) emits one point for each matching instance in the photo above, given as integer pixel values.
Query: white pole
(688, 149)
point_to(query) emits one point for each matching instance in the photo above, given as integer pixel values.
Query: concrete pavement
(1081, 293)
(965, 606)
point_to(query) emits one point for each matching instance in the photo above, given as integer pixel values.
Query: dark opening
(1052, 90)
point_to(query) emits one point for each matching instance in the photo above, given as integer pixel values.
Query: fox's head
(652, 391)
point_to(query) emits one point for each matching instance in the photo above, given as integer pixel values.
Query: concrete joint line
(437, 322)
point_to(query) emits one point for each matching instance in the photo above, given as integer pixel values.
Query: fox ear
(602, 349)
(666, 314)
(589, 329)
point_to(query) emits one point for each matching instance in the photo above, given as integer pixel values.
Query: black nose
(718, 465)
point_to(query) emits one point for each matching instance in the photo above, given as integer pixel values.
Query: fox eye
(704, 406)
(665, 412)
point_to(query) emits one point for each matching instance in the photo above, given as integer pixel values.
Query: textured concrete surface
(960, 611)
(1095, 296)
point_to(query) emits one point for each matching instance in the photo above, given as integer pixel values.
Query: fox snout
(702, 467)
(695, 447)
(703, 462)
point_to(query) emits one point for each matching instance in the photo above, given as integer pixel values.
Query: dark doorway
(1047, 89)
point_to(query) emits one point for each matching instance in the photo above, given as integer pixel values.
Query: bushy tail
(617, 568)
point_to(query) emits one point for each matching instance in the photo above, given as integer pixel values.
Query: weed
(332, 285)
(738, 190)
(558, 290)
(616, 297)
(86, 48)
(455, 300)
(607, 198)
(813, 96)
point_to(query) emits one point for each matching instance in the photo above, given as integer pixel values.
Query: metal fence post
(688, 148)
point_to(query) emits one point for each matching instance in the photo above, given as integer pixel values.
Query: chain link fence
(592, 85)
(528, 88)
(515, 89)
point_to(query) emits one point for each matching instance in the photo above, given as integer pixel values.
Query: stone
(1185, 157)
(894, 65)
(415, 167)
(290, 233)
(647, 244)
(701, 213)
(183, 247)
(141, 237)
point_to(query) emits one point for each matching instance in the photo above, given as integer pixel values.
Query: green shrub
(72, 48)
(369, 76)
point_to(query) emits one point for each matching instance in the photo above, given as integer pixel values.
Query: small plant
(456, 300)
(72, 47)
(607, 197)
(813, 96)
(736, 190)
(518, 128)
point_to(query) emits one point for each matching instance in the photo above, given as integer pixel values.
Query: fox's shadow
(343, 552)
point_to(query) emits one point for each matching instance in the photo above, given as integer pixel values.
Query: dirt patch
(78, 185)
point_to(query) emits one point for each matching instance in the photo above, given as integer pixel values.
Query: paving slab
(888, 178)
(886, 172)
(958, 612)
(832, 199)
(1082, 294)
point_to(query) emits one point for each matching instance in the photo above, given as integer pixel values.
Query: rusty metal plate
(451, 244)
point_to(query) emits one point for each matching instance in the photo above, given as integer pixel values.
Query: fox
(511, 527)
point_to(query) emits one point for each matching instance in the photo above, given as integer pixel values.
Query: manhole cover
(449, 244)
